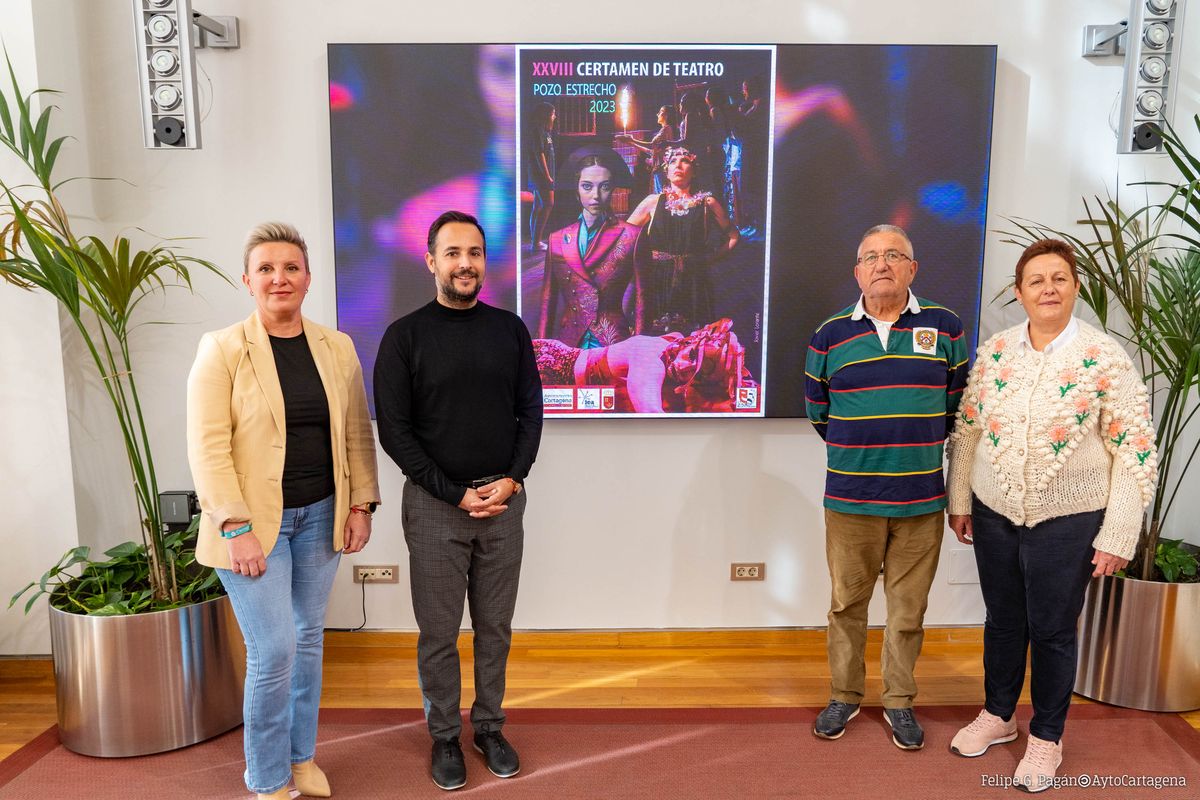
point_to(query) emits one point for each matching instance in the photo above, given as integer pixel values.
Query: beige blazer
(235, 432)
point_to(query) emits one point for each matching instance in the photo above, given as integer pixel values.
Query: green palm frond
(99, 284)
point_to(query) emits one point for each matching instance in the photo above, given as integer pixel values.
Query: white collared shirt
(1062, 340)
(884, 327)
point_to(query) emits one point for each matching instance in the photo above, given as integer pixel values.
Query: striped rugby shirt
(885, 413)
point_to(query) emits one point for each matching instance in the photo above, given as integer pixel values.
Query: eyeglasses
(892, 257)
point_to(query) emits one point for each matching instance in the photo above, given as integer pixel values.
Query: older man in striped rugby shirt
(883, 381)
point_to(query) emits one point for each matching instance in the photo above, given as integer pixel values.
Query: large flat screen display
(671, 222)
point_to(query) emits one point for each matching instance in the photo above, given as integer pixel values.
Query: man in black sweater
(459, 407)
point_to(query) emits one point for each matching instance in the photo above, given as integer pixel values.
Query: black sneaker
(906, 733)
(831, 723)
(500, 756)
(447, 767)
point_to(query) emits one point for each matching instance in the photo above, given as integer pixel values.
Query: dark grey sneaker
(500, 756)
(831, 723)
(906, 733)
(447, 767)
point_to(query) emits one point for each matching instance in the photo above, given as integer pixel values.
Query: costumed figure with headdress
(674, 284)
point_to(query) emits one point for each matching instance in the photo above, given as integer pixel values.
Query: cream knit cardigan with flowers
(1041, 436)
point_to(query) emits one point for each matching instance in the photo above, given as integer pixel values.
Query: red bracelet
(363, 511)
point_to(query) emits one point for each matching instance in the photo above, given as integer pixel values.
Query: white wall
(35, 458)
(630, 524)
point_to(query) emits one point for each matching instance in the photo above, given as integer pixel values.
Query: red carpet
(660, 754)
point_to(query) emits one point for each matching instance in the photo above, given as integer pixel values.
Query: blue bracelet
(236, 532)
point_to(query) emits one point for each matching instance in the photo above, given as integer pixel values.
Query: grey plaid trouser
(451, 554)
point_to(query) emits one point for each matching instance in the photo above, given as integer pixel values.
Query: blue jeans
(282, 616)
(1033, 581)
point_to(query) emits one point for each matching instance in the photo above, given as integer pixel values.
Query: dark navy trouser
(1033, 581)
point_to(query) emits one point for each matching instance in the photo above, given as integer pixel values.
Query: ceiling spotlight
(1153, 69)
(1158, 6)
(164, 62)
(161, 3)
(167, 96)
(1156, 35)
(1150, 103)
(161, 27)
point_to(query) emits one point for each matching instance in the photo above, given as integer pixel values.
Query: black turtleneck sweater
(458, 397)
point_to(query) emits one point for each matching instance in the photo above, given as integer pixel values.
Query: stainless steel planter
(1139, 644)
(133, 685)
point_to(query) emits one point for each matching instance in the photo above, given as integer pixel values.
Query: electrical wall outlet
(748, 571)
(387, 573)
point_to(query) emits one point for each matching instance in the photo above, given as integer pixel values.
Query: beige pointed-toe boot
(310, 780)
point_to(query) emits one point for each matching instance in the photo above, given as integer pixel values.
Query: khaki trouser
(856, 545)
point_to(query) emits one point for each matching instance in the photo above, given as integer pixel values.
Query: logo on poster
(608, 399)
(558, 397)
(747, 397)
(588, 400)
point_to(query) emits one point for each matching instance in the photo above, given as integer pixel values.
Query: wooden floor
(587, 669)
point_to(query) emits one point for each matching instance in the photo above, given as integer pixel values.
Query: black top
(682, 235)
(678, 297)
(539, 144)
(308, 451)
(458, 397)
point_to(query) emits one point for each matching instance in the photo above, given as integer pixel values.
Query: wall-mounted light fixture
(1150, 41)
(168, 33)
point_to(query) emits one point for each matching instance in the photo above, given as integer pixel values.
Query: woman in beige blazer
(283, 458)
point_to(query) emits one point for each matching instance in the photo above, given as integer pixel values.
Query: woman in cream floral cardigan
(1052, 463)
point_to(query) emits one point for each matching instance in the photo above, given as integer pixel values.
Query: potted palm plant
(147, 654)
(1140, 276)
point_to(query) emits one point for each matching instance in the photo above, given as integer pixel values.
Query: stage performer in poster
(674, 285)
(755, 127)
(539, 161)
(698, 373)
(697, 134)
(590, 263)
(656, 146)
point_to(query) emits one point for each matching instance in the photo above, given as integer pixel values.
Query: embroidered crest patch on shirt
(925, 341)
